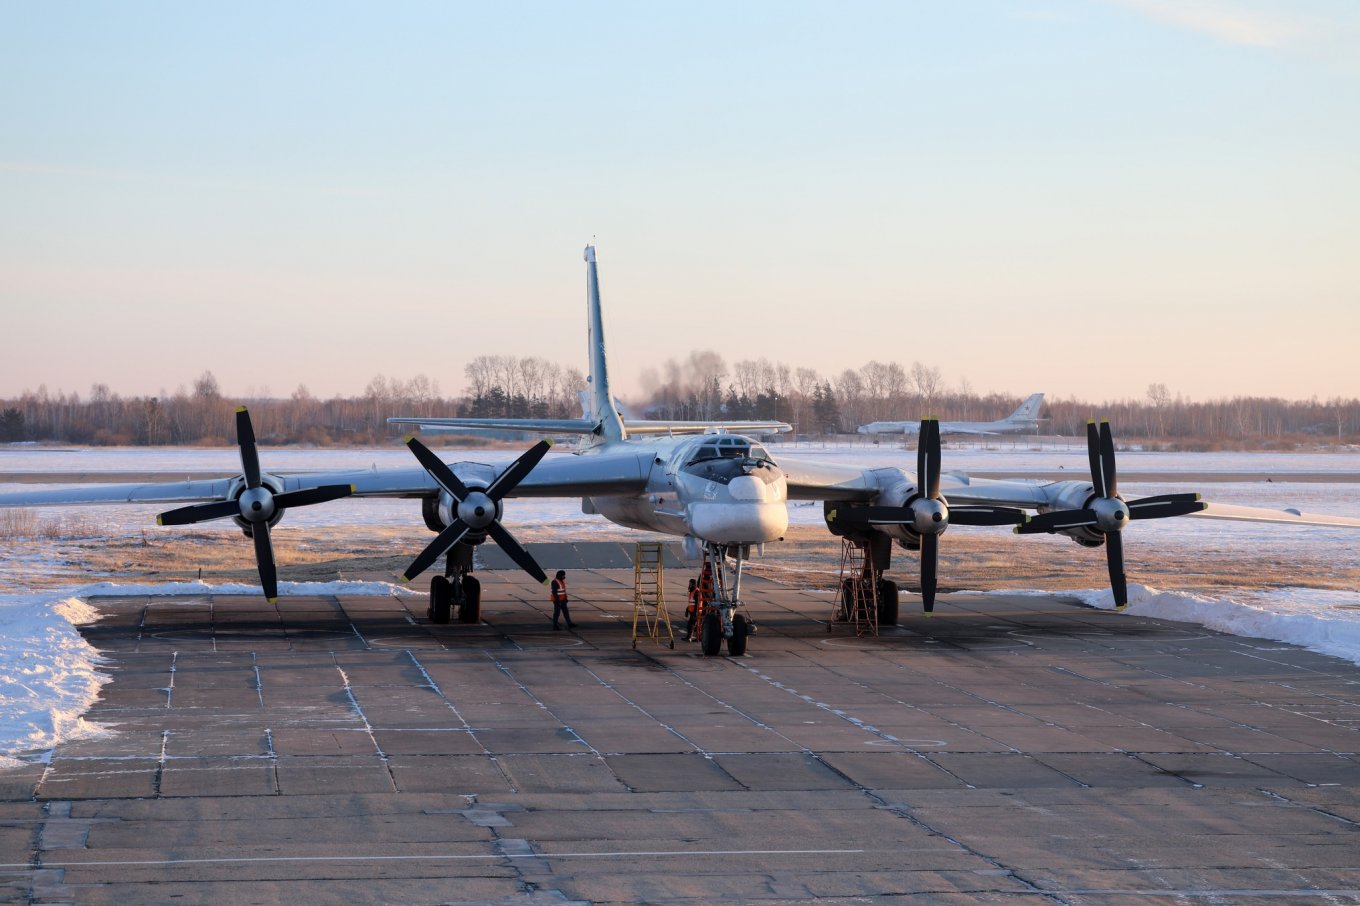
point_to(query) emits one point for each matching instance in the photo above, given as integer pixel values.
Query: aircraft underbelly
(639, 512)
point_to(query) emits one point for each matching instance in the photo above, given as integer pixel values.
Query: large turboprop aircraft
(1024, 420)
(718, 489)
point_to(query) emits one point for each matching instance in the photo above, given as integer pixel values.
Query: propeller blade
(1107, 459)
(264, 559)
(1114, 558)
(1093, 454)
(516, 552)
(199, 512)
(928, 458)
(930, 555)
(1056, 521)
(438, 470)
(436, 549)
(250, 457)
(986, 515)
(1151, 508)
(506, 481)
(308, 496)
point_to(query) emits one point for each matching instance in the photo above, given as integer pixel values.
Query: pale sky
(1081, 197)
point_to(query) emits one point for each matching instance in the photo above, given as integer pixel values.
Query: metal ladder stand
(856, 599)
(649, 594)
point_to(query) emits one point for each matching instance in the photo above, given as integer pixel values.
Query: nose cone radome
(750, 489)
(739, 522)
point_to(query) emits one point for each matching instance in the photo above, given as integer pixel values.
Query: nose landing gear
(720, 599)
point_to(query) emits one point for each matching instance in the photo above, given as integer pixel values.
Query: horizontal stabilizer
(587, 426)
(541, 425)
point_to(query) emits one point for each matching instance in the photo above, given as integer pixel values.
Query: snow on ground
(1318, 619)
(49, 674)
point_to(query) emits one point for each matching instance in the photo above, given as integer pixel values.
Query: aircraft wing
(1260, 514)
(838, 482)
(834, 481)
(564, 475)
(163, 492)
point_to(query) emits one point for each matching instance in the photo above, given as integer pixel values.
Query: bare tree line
(699, 387)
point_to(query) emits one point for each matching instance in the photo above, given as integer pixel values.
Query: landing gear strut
(719, 618)
(457, 591)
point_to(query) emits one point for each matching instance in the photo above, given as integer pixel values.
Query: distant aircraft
(1024, 420)
(721, 491)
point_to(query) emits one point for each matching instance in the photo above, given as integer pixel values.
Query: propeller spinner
(1106, 512)
(476, 510)
(256, 505)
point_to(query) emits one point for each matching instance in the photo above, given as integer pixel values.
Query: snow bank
(1317, 619)
(48, 673)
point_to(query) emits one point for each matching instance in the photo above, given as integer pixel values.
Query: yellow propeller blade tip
(158, 521)
(408, 438)
(546, 580)
(240, 408)
(1104, 421)
(354, 489)
(405, 579)
(272, 600)
(1090, 421)
(548, 440)
(1119, 608)
(929, 614)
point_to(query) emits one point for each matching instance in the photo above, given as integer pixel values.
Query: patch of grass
(23, 523)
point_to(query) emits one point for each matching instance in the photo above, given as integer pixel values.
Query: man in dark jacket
(559, 600)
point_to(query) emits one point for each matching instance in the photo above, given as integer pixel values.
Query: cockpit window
(728, 448)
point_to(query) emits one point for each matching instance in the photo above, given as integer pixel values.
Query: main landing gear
(457, 592)
(720, 599)
(866, 600)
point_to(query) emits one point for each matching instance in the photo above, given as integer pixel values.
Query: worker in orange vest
(691, 609)
(559, 600)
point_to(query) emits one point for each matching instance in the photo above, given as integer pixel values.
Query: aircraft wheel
(736, 646)
(710, 635)
(441, 599)
(470, 611)
(887, 603)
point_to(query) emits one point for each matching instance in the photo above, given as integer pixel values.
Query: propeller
(1106, 512)
(476, 509)
(927, 513)
(256, 505)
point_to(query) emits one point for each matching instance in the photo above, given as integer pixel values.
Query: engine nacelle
(897, 491)
(1076, 495)
(238, 487)
(439, 512)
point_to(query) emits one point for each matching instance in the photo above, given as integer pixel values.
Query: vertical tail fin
(601, 400)
(1029, 409)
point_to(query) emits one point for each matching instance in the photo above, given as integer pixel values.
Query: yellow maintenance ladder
(649, 594)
